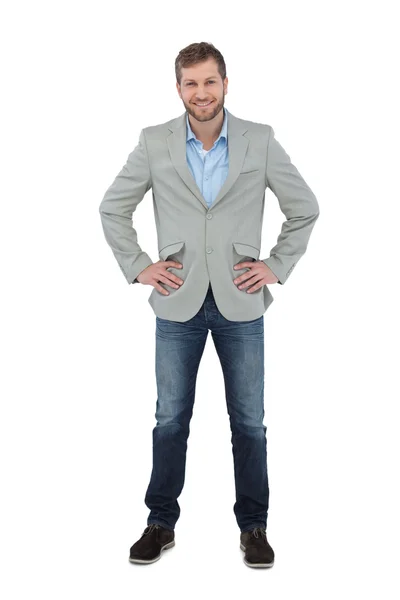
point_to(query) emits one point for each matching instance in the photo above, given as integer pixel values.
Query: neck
(207, 131)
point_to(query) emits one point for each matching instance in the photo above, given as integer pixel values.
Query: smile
(203, 105)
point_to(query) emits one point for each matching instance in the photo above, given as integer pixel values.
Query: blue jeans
(179, 348)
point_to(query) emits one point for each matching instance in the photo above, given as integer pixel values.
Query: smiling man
(203, 91)
(208, 171)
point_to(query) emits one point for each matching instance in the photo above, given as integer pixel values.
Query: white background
(80, 80)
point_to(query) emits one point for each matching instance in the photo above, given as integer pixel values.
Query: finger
(172, 263)
(165, 279)
(242, 265)
(254, 288)
(161, 289)
(250, 281)
(257, 286)
(244, 277)
(171, 277)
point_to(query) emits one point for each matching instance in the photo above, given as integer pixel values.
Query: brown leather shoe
(148, 548)
(258, 552)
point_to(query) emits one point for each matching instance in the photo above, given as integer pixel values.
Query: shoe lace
(150, 528)
(260, 532)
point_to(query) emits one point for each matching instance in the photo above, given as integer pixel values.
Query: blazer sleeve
(118, 205)
(297, 202)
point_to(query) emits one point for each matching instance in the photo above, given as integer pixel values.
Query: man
(208, 171)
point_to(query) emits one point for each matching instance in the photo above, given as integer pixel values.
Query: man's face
(202, 84)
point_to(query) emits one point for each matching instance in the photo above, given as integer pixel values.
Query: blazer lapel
(237, 147)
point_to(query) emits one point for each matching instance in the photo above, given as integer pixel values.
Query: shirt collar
(224, 129)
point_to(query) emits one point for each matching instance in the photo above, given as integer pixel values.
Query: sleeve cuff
(140, 264)
(278, 269)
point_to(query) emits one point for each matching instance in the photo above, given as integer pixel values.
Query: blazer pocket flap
(170, 249)
(249, 171)
(246, 250)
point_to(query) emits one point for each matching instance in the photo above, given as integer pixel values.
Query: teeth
(207, 103)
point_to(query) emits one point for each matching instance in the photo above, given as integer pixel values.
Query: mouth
(202, 105)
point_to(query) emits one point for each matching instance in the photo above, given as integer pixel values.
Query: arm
(118, 205)
(299, 205)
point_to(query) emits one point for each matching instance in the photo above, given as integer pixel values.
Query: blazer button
(209, 250)
(209, 216)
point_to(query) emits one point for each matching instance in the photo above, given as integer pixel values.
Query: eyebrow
(211, 77)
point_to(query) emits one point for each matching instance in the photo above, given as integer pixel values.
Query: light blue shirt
(209, 168)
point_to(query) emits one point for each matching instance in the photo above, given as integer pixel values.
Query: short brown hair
(195, 53)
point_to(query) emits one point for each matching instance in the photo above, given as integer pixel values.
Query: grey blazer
(209, 241)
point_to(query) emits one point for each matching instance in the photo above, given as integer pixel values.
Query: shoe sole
(259, 565)
(152, 560)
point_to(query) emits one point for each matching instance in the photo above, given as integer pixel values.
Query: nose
(201, 95)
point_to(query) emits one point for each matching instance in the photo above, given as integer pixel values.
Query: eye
(191, 82)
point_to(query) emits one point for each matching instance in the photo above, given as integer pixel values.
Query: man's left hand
(258, 275)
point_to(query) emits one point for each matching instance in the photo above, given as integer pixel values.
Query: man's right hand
(156, 272)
